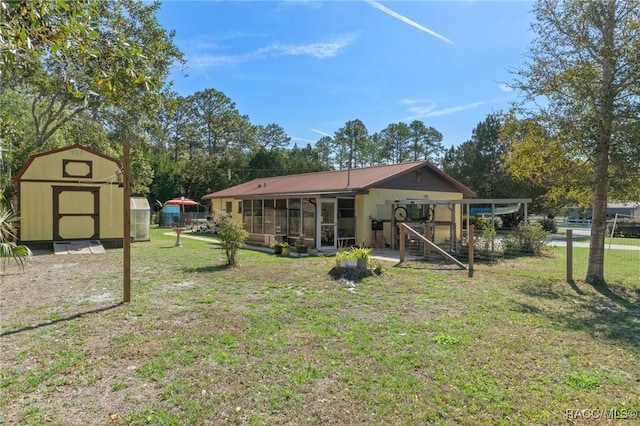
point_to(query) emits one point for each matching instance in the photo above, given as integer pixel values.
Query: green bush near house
(232, 236)
(528, 239)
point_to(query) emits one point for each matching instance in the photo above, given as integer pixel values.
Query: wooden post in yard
(402, 248)
(569, 255)
(427, 235)
(470, 232)
(126, 237)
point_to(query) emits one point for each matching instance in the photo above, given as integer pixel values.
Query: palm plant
(8, 248)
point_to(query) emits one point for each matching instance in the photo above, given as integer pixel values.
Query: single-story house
(624, 210)
(621, 209)
(341, 208)
(67, 194)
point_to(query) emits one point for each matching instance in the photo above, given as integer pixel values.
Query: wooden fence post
(470, 235)
(427, 235)
(402, 245)
(569, 255)
(126, 221)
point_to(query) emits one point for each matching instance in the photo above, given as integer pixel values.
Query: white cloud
(293, 138)
(408, 101)
(320, 50)
(407, 20)
(432, 110)
(505, 87)
(311, 4)
(321, 132)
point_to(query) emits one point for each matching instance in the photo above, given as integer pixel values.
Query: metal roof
(345, 181)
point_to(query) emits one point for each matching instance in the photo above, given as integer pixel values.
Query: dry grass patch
(280, 341)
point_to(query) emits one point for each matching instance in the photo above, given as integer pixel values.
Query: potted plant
(277, 247)
(343, 258)
(285, 249)
(361, 254)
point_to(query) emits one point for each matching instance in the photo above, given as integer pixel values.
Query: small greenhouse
(140, 219)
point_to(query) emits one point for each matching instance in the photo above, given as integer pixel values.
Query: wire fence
(549, 255)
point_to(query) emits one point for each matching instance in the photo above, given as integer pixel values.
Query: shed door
(76, 213)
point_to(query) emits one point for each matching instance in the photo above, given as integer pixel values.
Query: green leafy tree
(266, 163)
(121, 62)
(220, 122)
(425, 142)
(351, 141)
(478, 162)
(323, 148)
(554, 175)
(31, 29)
(303, 160)
(166, 182)
(395, 140)
(584, 65)
(271, 137)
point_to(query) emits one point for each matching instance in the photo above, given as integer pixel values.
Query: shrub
(8, 248)
(625, 228)
(529, 238)
(549, 225)
(232, 237)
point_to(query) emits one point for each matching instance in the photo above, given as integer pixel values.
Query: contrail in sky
(407, 20)
(320, 132)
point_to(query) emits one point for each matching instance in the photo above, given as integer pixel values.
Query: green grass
(622, 267)
(278, 341)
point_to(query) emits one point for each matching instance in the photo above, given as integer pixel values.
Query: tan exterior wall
(220, 204)
(367, 209)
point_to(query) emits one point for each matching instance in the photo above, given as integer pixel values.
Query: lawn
(279, 341)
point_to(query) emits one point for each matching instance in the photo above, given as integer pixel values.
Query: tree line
(96, 72)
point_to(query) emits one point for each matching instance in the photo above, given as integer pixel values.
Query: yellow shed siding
(50, 167)
(111, 211)
(36, 211)
(70, 169)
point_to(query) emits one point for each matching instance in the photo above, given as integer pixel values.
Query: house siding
(428, 181)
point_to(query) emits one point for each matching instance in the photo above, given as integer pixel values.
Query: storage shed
(67, 194)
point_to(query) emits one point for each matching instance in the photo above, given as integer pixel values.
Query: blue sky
(310, 66)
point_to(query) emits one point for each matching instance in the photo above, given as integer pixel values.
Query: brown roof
(331, 182)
